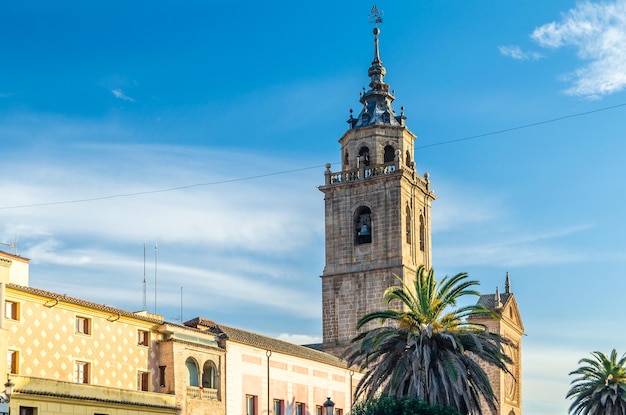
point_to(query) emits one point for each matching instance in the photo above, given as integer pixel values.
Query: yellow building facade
(68, 355)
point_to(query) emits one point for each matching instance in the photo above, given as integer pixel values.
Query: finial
(497, 299)
(507, 283)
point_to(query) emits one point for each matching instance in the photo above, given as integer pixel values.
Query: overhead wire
(258, 176)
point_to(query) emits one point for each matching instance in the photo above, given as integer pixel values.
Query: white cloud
(517, 53)
(120, 95)
(598, 32)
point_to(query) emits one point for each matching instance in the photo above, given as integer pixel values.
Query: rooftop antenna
(12, 244)
(144, 275)
(155, 277)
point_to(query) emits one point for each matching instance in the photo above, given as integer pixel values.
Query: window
(338, 411)
(408, 225)
(279, 407)
(251, 404)
(192, 371)
(83, 325)
(13, 359)
(389, 154)
(12, 310)
(28, 410)
(81, 372)
(422, 234)
(364, 156)
(363, 225)
(208, 375)
(319, 410)
(300, 408)
(162, 376)
(143, 381)
(143, 338)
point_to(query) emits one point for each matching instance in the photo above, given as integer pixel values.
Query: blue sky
(239, 105)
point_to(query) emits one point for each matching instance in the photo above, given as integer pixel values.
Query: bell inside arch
(365, 230)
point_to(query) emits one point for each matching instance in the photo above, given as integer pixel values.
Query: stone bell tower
(377, 213)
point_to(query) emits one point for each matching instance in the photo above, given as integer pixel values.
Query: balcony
(197, 392)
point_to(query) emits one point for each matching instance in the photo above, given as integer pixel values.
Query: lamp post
(329, 407)
(5, 397)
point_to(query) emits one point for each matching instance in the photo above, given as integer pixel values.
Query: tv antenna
(375, 16)
(12, 244)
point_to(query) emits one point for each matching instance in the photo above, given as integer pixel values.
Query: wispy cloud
(117, 92)
(517, 53)
(224, 239)
(598, 32)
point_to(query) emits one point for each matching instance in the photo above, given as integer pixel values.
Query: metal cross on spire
(375, 16)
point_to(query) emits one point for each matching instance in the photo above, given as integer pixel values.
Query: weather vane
(375, 16)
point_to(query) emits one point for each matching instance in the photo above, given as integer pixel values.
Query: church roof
(489, 300)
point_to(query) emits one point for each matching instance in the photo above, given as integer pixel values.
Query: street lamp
(5, 397)
(329, 407)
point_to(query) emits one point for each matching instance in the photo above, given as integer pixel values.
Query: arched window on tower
(422, 234)
(192, 371)
(346, 161)
(407, 159)
(208, 375)
(364, 156)
(389, 154)
(363, 225)
(408, 225)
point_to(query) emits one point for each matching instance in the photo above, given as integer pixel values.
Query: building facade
(70, 356)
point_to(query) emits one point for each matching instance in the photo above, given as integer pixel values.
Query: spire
(507, 284)
(497, 300)
(377, 100)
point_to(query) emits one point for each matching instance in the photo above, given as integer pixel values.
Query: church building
(378, 226)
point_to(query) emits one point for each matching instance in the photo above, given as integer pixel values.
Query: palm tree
(428, 348)
(601, 386)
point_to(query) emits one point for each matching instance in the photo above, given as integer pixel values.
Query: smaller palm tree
(600, 388)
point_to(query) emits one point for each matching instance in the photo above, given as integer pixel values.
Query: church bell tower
(377, 212)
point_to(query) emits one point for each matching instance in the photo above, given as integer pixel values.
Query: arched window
(208, 375)
(192, 371)
(408, 225)
(407, 159)
(346, 162)
(389, 154)
(422, 233)
(363, 225)
(364, 156)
